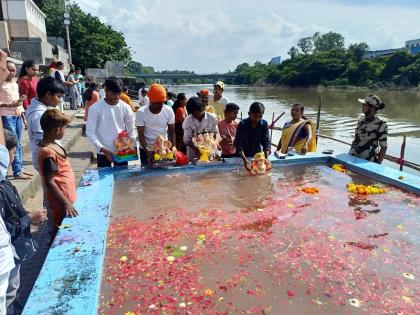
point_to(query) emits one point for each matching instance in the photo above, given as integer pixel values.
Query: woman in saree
(298, 133)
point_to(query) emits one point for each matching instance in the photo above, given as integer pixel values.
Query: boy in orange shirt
(55, 167)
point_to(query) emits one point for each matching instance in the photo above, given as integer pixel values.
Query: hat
(203, 92)
(221, 84)
(371, 100)
(157, 93)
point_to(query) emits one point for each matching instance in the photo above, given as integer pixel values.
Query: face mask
(368, 113)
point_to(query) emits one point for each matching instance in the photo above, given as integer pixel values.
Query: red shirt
(27, 87)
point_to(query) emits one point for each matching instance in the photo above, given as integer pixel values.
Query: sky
(216, 36)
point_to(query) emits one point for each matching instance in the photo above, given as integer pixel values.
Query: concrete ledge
(70, 279)
(380, 172)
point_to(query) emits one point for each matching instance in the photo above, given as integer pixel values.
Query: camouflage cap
(371, 100)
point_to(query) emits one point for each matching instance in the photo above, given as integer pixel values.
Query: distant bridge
(172, 76)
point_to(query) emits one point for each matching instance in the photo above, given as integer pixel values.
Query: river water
(339, 115)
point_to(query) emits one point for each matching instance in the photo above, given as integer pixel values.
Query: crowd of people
(36, 105)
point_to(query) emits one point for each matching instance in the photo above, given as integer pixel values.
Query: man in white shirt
(218, 101)
(154, 120)
(107, 118)
(102, 92)
(143, 98)
(196, 122)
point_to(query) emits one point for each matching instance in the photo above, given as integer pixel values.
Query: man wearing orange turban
(153, 121)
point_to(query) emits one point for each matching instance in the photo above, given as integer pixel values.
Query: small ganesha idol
(163, 150)
(259, 165)
(208, 145)
(124, 148)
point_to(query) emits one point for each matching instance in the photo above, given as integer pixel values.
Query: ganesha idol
(163, 150)
(259, 165)
(124, 148)
(207, 144)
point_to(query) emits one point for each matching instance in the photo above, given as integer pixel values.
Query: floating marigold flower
(201, 238)
(339, 168)
(123, 258)
(365, 190)
(130, 313)
(208, 292)
(309, 190)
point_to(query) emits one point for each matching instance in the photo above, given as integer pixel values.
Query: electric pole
(66, 25)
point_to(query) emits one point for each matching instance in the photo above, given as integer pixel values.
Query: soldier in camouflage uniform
(370, 141)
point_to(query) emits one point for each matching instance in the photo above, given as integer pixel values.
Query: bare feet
(22, 176)
(27, 173)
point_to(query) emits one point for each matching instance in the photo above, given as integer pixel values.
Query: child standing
(252, 135)
(227, 130)
(106, 119)
(55, 167)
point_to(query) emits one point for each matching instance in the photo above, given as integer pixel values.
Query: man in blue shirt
(252, 135)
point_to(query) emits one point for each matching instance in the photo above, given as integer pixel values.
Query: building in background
(411, 46)
(276, 60)
(23, 33)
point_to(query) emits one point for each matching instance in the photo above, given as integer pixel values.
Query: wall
(30, 49)
(4, 35)
(25, 19)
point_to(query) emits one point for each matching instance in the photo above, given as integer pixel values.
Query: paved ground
(80, 152)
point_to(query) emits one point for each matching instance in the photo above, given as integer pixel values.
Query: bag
(17, 221)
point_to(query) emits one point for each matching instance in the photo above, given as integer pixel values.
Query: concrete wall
(25, 19)
(30, 49)
(4, 35)
(114, 68)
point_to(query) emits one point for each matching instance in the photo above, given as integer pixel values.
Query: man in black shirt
(252, 135)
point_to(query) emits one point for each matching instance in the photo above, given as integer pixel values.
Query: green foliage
(358, 50)
(394, 63)
(328, 41)
(92, 42)
(329, 63)
(306, 45)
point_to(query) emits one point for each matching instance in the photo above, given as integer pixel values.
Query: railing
(399, 160)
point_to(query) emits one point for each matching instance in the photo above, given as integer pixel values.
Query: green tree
(306, 45)
(394, 63)
(92, 42)
(293, 52)
(358, 51)
(328, 41)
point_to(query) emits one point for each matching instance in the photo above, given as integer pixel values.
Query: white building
(412, 43)
(23, 32)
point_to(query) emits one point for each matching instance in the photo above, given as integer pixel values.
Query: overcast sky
(216, 36)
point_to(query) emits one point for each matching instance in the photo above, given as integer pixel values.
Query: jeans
(4, 281)
(13, 304)
(101, 161)
(14, 124)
